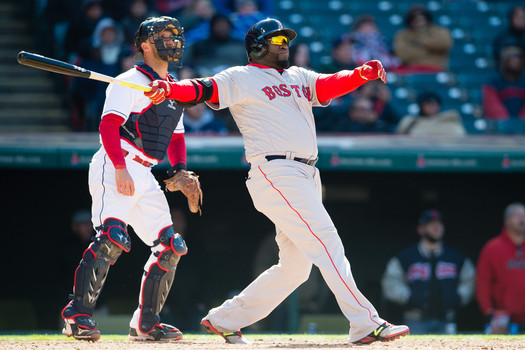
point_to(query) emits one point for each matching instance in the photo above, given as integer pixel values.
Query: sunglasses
(278, 40)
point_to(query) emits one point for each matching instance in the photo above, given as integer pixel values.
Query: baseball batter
(272, 106)
(135, 135)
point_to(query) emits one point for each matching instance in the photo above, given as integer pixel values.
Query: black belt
(297, 159)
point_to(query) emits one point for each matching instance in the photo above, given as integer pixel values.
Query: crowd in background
(99, 35)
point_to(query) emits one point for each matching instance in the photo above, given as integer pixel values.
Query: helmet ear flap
(258, 50)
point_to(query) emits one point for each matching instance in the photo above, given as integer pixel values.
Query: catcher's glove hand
(188, 183)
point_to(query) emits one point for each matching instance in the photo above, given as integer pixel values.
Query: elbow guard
(203, 92)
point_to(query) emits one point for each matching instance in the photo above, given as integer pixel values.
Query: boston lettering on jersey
(151, 130)
(284, 91)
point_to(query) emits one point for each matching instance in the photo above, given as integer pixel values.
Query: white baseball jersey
(123, 101)
(147, 211)
(274, 114)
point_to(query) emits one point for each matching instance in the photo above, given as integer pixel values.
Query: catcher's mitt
(188, 183)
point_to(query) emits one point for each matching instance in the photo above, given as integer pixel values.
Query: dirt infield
(269, 342)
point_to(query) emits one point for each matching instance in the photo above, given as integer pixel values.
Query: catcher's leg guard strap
(159, 276)
(94, 266)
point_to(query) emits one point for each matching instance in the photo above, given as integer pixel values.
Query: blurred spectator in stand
(328, 119)
(381, 98)
(116, 9)
(245, 16)
(299, 55)
(59, 14)
(102, 56)
(504, 94)
(227, 7)
(422, 46)
(80, 31)
(74, 244)
(500, 280)
(431, 120)
(364, 110)
(219, 51)
(187, 71)
(200, 119)
(370, 44)
(430, 280)
(172, 8)
(342, 55)
(83, 231)
(127, 57)
(362, 117)
(513, 35)
(196, 20)
(138, 11)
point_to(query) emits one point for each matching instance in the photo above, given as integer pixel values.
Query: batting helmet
(255, 39)
(153, 26)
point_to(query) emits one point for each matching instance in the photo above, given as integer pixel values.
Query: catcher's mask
(255, 41)
(169, 49)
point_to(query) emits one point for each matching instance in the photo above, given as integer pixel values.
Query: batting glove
(372, 70)
(159, 90)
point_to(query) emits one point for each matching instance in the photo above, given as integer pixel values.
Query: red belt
(138, 159)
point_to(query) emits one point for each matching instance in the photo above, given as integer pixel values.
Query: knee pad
(168, 238)
(94, 266)
(116, 232)
(159, 277)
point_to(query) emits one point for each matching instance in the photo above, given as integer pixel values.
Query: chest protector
(151, 131)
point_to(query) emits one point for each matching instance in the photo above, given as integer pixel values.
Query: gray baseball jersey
(273, 111)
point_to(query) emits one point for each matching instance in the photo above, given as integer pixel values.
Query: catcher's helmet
(154, 25)
(255, 39)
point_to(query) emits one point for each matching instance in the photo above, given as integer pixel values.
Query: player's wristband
(179, 166)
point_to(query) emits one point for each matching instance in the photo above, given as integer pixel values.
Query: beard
(283, 63)
(278, 60)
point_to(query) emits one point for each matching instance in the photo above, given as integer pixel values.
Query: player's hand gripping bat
(56, 66)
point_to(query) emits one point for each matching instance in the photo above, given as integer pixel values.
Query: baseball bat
(56, 66)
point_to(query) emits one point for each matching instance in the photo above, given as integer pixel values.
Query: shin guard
(92, 271)
(159, 274)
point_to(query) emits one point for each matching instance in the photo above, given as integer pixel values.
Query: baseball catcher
(188, 183)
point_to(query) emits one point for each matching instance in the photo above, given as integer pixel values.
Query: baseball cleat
(79, 326)
(161, 332)
(231, 338)
(385, 332)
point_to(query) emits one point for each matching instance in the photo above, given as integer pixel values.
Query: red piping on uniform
(143, 71)
(265, 67)
(83, 254)
(92, 252)
(326, 250)
(137, 127)
(169, 244)
(159, 257)
(115, 243)
(142, 292)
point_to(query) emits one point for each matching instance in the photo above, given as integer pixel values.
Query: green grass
(114, 337)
